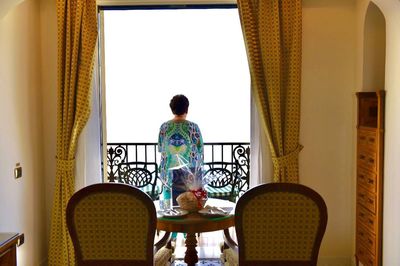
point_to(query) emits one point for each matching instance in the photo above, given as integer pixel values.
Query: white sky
(151, 55)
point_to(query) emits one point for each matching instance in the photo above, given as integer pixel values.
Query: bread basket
(188, 201)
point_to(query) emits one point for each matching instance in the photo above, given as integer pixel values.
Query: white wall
(327, 127)
(6, 5)
(22, 201)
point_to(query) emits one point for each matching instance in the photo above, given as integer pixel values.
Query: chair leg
(163, 241)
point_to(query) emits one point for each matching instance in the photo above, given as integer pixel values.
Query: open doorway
(149, 54)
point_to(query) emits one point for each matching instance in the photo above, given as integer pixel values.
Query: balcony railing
(233, 153)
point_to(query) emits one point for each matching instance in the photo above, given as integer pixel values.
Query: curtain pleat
(77, 36)
(272, 32)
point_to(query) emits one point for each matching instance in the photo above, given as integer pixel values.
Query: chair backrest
(225, 175)
(280, 224)
(112, 224)
(143, 175)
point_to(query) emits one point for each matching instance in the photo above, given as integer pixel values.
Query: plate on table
(215, 211)
(172, 213)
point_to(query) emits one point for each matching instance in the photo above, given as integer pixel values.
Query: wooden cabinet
(8, 248)
(369, 197)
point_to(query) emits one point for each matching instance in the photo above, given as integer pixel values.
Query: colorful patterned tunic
(179, 137)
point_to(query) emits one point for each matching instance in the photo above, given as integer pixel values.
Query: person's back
(179, 140)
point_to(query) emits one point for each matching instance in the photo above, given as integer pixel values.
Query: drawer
(367, 218)
(366, 238)
(368, 139)
(364, 256)
(366, 199)
(366, 179)
(366, 159)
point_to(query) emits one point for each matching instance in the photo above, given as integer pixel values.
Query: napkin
(217, 210)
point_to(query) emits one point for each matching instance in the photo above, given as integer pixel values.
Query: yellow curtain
(272, 31)
(77, 36)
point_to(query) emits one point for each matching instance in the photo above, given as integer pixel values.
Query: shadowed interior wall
(22, 201)
(374, 49)
(48, 23)
(326, 162)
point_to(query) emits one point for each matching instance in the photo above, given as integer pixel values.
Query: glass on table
(166, 199)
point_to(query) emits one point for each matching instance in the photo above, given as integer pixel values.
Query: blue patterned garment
(179, 138)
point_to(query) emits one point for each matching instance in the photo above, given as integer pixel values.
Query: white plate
(175, 213)
(212, 212)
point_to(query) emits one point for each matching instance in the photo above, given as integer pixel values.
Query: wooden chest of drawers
(369, 192)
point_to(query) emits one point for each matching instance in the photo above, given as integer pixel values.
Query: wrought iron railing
(228, 152)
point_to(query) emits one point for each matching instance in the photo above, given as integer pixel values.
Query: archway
(374, 49)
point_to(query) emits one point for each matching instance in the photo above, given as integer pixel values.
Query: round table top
(197, 223)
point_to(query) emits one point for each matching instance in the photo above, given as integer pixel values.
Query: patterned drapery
(272, 32)
(77, 36)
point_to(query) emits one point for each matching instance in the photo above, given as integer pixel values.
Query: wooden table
(196, 223)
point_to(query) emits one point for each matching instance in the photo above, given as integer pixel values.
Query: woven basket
(188, 201)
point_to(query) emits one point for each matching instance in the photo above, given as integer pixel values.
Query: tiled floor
(200, 263)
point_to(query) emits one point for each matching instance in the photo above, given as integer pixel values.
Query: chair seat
(222, 192)
(163, 257)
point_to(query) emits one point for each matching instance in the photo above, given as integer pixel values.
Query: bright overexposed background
(151, 55)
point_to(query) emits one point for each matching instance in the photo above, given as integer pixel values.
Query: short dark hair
(179, 104)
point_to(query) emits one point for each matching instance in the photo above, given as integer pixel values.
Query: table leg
(191, 253)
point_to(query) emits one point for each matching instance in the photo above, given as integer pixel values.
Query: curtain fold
(77, 36)
(272, 32)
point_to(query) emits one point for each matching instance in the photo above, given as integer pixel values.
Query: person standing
(178, 139)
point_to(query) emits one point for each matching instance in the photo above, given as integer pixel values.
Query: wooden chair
(225, 182)
(114, 224)
(278, 224)
(143, 175)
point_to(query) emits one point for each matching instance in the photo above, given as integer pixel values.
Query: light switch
(17, 171)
